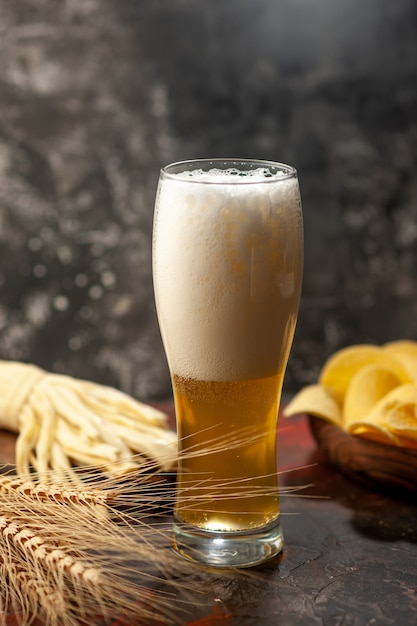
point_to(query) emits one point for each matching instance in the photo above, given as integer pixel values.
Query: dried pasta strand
(62, 422)
(26, 440)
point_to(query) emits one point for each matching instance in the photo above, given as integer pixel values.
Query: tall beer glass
(227, 266)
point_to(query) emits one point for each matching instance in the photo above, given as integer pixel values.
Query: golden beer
(227, 265)
(227, 483)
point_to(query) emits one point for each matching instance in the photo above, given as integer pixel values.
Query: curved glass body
(227, 266)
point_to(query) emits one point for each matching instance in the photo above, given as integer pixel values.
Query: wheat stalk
(81, 531)
(62, 563)
(55, 492)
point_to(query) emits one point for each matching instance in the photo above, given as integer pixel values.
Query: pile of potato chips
(367, 390)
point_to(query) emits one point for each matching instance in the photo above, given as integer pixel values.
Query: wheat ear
(61, 562)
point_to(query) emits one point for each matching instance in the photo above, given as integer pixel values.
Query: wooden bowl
(371, 463)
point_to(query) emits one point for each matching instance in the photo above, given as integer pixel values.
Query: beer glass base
(222, 549)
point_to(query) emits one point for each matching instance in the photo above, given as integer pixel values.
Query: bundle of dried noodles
(62, 422)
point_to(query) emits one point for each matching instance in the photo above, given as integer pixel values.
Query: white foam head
(227, 270)
(231, 175)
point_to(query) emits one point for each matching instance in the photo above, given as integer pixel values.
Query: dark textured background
(96, 95)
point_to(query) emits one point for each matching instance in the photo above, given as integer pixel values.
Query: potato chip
(401, 345)
(369, 391)
(366, 388)
(315, 400)
(401, 411)
(375, 432)
(405, 353)
(339, 370)
(395, 413)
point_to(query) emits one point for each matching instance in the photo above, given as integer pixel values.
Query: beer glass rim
(178, 169)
